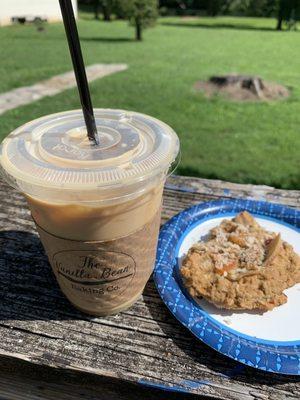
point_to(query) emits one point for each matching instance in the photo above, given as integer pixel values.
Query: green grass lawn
(249, 142)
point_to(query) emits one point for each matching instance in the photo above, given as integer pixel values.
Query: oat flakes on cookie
(241, 267)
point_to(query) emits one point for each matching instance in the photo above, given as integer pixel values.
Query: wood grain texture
(144, 345)
(33, 382)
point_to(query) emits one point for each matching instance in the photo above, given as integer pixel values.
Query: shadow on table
(28, 288)
(200, 353)
(29, 291)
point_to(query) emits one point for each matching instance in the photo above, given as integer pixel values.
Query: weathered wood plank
(31, 382)
(144, 344)
(214, 188)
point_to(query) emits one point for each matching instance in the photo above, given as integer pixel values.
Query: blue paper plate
(269, 341)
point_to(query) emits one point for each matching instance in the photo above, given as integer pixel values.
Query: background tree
(216, 7)
(213, 7)
(107, 6)
(256, 8)
(96, 8)
(281, 14)
(140, 13)
(288, 11)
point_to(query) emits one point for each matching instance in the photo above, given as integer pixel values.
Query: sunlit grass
(241, 142)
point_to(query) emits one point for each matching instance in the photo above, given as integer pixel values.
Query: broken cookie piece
(242, 266)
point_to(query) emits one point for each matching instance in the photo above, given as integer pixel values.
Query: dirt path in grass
(50, 87)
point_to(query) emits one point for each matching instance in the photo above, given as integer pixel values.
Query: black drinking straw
(79, 69)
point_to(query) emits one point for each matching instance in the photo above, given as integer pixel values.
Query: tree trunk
(96, 9)
(279, 24)
(106, 11)
(280, 15)
(138, 30)
(213, 8)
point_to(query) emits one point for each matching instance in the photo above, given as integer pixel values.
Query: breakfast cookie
(241, 266)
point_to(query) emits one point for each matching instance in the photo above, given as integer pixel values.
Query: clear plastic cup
(96, 208)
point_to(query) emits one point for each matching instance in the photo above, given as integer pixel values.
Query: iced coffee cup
(96, 208)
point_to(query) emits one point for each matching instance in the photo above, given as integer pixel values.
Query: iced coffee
(96, 208)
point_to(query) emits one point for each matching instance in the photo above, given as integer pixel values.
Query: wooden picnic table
(49, 350)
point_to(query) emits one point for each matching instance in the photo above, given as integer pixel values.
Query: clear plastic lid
(52, 155)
